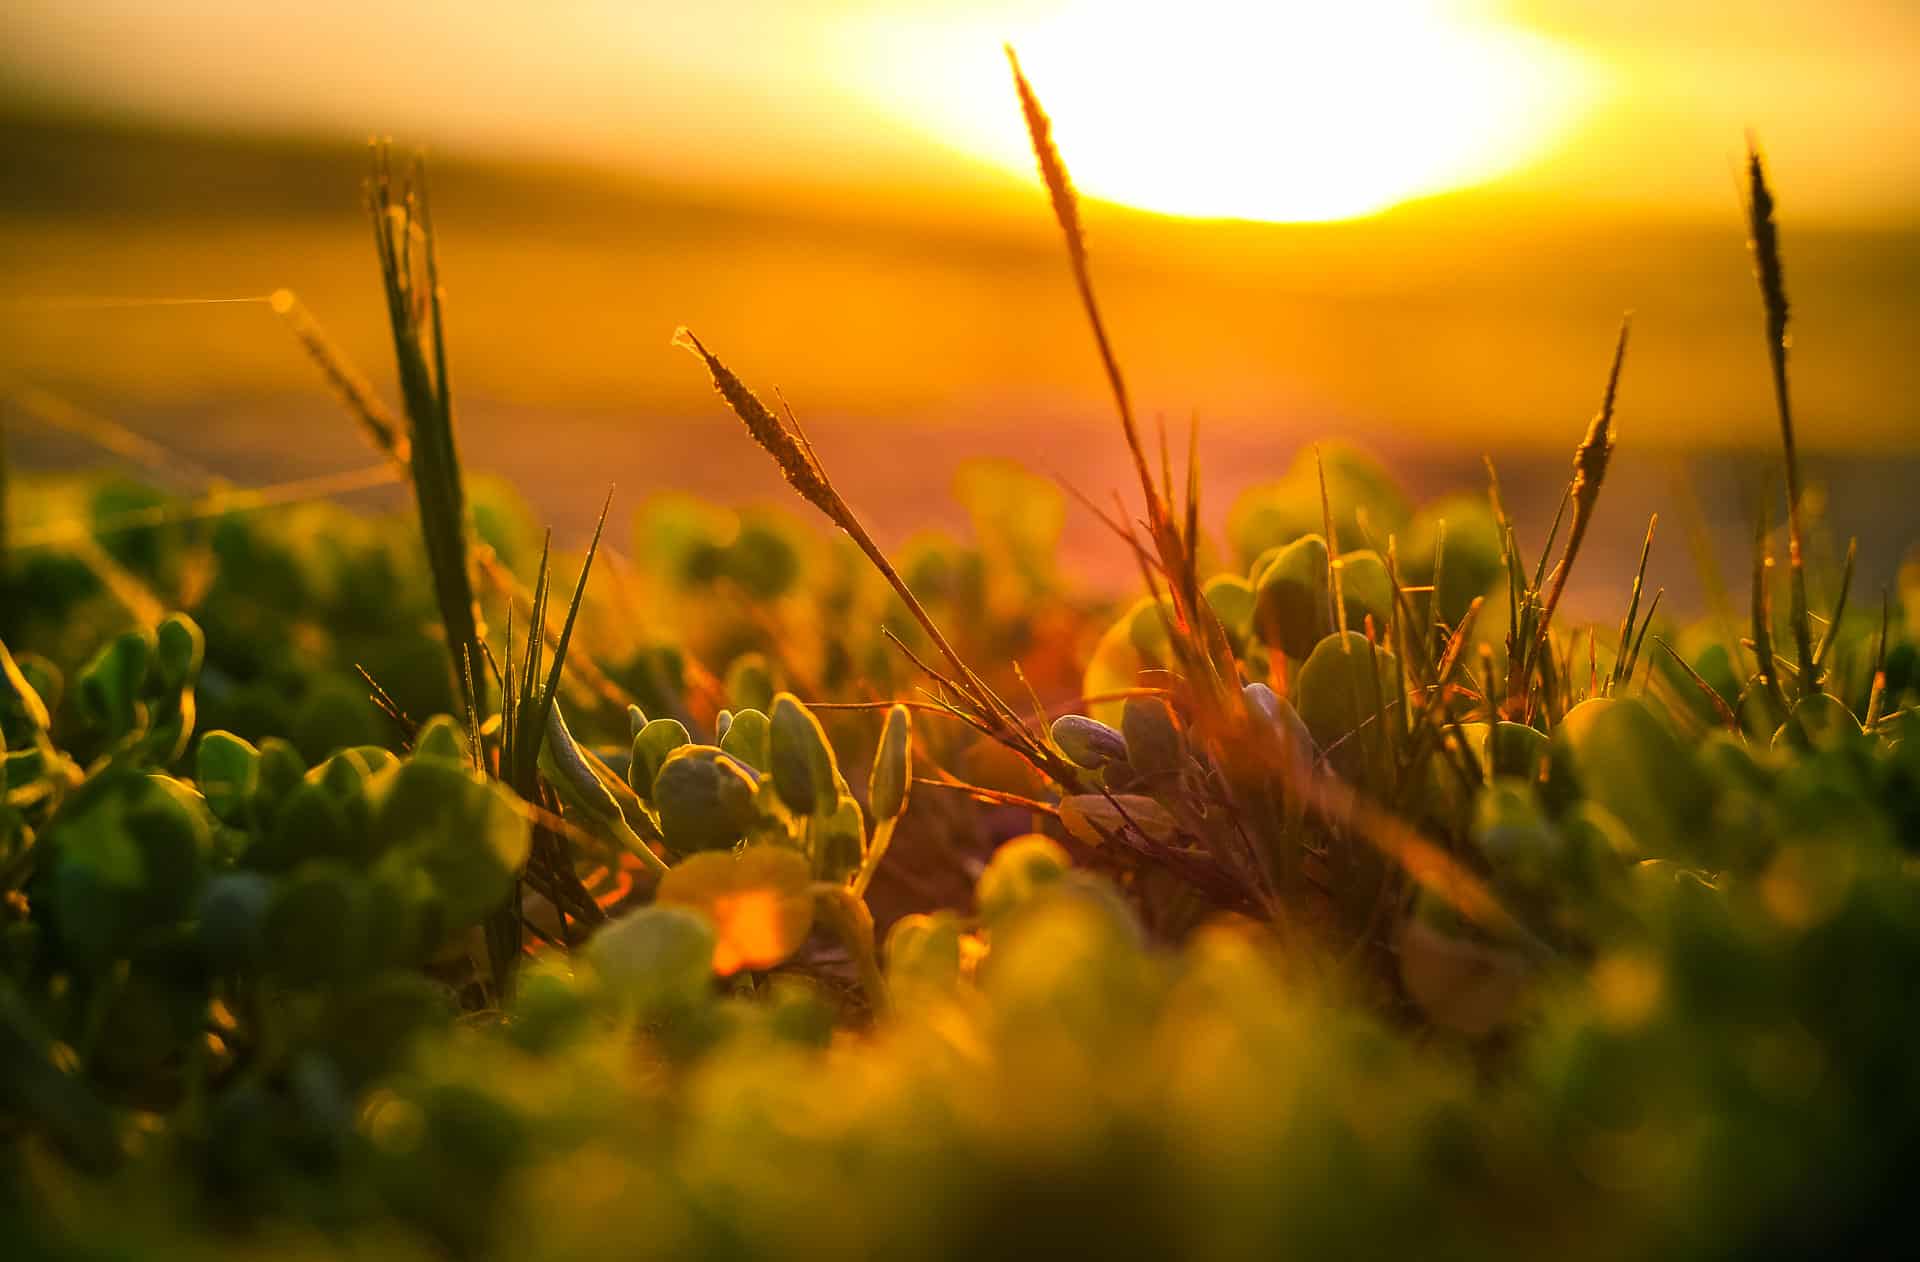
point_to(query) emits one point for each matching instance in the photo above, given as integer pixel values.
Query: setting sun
(1291, 111)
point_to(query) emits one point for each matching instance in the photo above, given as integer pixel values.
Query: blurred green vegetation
(241, 1001)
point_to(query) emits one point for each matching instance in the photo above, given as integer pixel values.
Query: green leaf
(281, 770)
(749, 740)
(749, 683)
(1474, 559)
(315, 929)
(227, 769)
(1276, 513)
(111, 684)
(464, 831)
(311, 824)
(1135, 642)
(1094, 817)
(1154, 743)
(1514, 749)
(759, 902)
(654, 743)
(803, 765)
(1232, 600)
(839, 842)
(1366, 590)
(125, 858)
(1617, 753)
(1291, 610)
(442, 738)
(178, 651)
(658, 959)
(1819, 720)
(923, 953)
(1019, 869)
(1513, 832)
(1340, 693)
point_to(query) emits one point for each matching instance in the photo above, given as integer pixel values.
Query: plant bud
(802, 761)
(705, 799)
(892, 766)
(1087, 742)
(1152, 736)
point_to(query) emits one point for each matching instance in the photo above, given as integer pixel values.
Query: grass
(400, 215)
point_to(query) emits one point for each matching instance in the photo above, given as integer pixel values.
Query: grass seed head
(796, 460)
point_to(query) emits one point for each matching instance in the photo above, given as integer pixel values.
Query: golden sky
(1281, 109)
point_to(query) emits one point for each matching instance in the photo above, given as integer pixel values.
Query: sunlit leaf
(760, 903)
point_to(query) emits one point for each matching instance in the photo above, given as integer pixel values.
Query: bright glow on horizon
(1290, 110)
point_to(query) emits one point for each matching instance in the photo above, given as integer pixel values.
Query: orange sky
(1275, 109)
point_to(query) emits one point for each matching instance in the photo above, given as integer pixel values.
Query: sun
(1286, 110)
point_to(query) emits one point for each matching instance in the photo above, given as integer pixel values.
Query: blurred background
(1410, 225)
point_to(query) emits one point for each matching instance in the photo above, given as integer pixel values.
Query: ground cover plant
(369, 888)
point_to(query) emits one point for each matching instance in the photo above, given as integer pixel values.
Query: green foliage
(802, 763)
(1019, 870)
(1707, 932)
(659, 959)
(1278, 513)
(1344, 696)
(1335, 926)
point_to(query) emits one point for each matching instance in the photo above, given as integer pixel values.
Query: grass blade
(1764, 240)
(566, 628)
(438, 490)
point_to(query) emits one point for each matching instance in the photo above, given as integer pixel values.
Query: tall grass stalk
(1765, 660)
(400, 215)
(1066, 209)
(1764, 240)
(377, 421)
(1203, 648)
(1590, 461)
